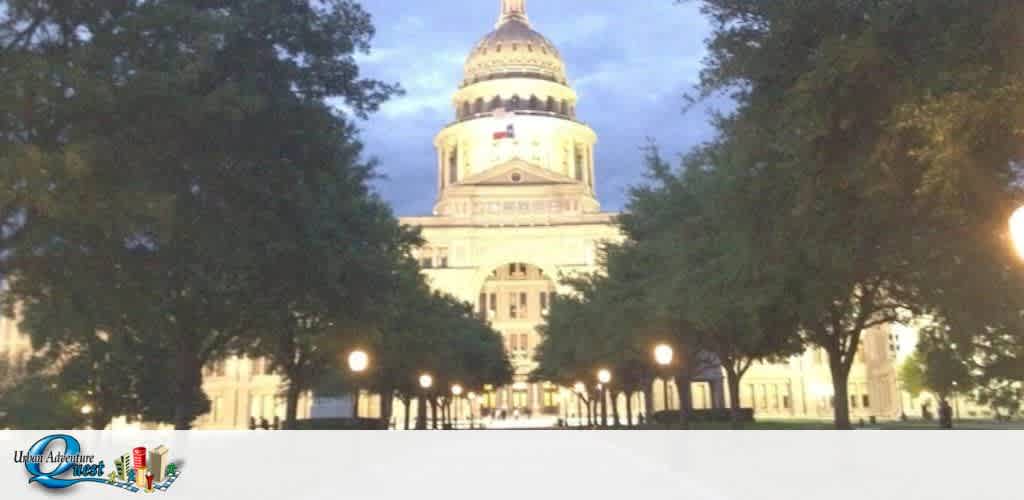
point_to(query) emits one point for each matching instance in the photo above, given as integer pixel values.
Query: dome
(514, 49)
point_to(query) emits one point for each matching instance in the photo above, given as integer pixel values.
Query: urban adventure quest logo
(139, 470)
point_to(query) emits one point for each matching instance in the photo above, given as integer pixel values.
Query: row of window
(432, 257)
(257, 366)
(260, 407)
(562, 107)
(518, 305)
(777, 397)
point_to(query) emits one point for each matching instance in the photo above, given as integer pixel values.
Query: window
(524, 342)
(550, 398)
(579, 165)
(543, 302)
(513, 306)
(442, 257)
(523, 304)
(853, 401)
(218, 409)
(494, 302)
(453, 166)
(866, 401)
(482, 306)
(518, 399)
(426, 258)
(785, 401)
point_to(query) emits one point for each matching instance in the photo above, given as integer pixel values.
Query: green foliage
(890, 135)
(33, 400)
(911, 375)
(173, 169)
(1005, 398)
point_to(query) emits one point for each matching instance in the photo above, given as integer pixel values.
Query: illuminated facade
(516, 207)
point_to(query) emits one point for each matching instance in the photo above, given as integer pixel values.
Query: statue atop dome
(513, 10)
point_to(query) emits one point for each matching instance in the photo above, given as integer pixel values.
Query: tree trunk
(291, 409)
(649, 399)
(407, 406)
(732, 378)
(421, 413)
(433, 413)
(840, 387)
(629, 409)
(188, 378)
(616, 421)
(387, 404)
(99, 420)
(685, 401)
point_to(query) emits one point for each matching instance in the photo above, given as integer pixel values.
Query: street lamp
(86, 409)
(472, 400)
(358, 361)
(426, 382)
(456, 392)
(604, 377)
(1017, 230)
(663, 356)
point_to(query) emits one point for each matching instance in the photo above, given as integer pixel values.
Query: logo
(136, 471)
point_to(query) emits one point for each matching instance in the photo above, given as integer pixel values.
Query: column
(440, 167)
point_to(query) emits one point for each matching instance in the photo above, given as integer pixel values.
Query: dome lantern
(514, 49)
(513, 10)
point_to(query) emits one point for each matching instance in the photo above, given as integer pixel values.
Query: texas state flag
(508, 133)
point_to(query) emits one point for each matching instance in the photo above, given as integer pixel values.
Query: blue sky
(630, 65)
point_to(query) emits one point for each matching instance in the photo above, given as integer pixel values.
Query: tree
(719, 269)
(887, 127)
(1003, 397)
(937, 366)
(165, 154)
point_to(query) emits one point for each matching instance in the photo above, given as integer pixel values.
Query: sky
(631, 66)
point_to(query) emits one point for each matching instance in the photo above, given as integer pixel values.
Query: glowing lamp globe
(358, 361)
(426, 381)
(1017, 230)
(663, 354)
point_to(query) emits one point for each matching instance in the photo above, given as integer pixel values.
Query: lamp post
(358, 361)
(86, 409)
(426, 382)
(456, 392)
(580, 388)
(663, 356)
(472, 400)
(604, 377)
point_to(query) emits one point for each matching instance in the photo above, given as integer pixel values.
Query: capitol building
(515, 212)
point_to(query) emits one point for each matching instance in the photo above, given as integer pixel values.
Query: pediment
(516, 172)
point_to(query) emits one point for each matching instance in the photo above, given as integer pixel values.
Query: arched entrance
(515, 298)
